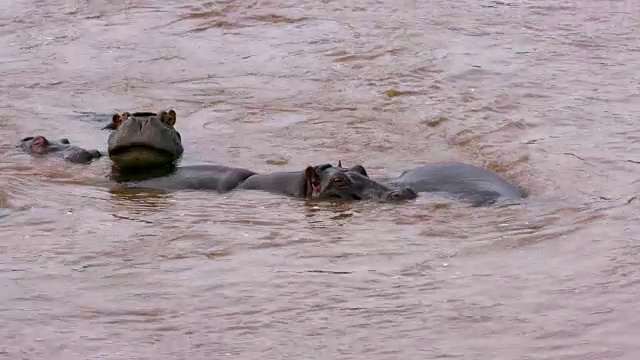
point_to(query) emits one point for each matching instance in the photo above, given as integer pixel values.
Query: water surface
(544, 92)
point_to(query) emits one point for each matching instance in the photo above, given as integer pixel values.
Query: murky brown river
(545, 92)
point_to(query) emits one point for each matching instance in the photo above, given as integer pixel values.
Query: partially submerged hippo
(41, 146)
(466, 182)
(143, 140)
(327, 182)
(315, 182)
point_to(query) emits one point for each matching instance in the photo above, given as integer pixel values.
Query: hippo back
(196, 177)
(290, 183)
(470, 182)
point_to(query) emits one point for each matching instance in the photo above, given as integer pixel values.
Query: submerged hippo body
(144, 140)
(221, 179)
(195, 177)
(41, 146)
(315, 182)
(326, 182)
(466, 182)
(290, 183)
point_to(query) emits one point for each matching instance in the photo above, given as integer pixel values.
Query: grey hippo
(144, 140)
(41, 146)
(319, 182)
(466, 182)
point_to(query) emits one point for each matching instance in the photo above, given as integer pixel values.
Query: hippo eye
(338, 182)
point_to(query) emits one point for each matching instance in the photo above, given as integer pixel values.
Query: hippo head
(329, 182)
(144, 140)
(40, 145)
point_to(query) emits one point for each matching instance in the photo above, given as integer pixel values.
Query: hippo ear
(172, 117)
(117, 120)
(312, 180)
(311, 175)
(339, 163)
(360, 169)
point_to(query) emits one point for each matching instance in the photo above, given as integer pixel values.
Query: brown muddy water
(544, 92)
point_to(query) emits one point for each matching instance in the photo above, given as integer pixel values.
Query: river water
(544, 92)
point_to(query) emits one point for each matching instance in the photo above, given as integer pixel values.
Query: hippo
(145, 139)
(327, 182)
(322, 182)
(465, 182)
(41, 146)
